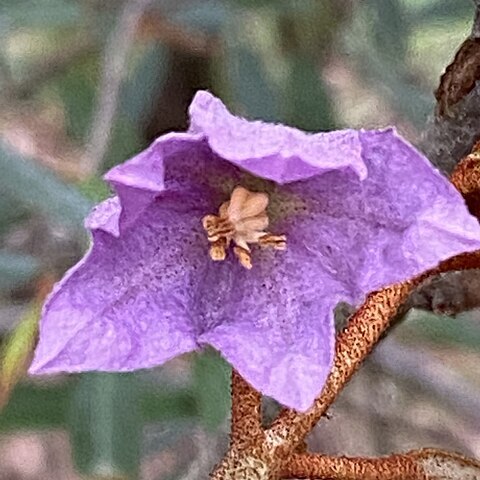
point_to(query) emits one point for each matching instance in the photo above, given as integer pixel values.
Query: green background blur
(87, 83)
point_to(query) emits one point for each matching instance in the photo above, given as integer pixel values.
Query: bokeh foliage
(280, 60)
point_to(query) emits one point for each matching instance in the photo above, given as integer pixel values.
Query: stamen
(217, 227)
(243, 257)
(278, 242)
(242, 220)
(218, 250)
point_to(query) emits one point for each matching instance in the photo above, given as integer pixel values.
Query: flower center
(242, 220)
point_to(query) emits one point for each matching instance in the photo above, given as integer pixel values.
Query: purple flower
(320, 219)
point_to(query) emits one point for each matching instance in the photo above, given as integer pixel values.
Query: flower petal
(403, 219)
(181, 162)
(275, 152)
(139, 180)
(346, 237)
(277, 329)
(360, 210)
(127, 304)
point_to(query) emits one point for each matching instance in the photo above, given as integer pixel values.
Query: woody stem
(246, 412)
(415, 465)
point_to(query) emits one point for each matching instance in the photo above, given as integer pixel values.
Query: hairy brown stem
(246, 412)
(353, 345)
(415, 465)
(466, 178)
(393, 467)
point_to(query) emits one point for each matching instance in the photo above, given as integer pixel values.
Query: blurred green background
(87, 83)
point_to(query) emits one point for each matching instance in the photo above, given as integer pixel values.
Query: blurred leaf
(149, 73)
(386, 74)
(241, 75)
(390, 28)
(16, 269)
(105, 425)
(44, 14)
(158, 405)
(310, 26)
(273, 69)
(77, 89)
(208, 15)
(165, 435)
(36, 406)
(125, 142)
(437, 11)
(95, 189)
(47, 405)
(10, 212)
(462, 331)
(17, 352)
(33, 185)
(307, 101)
(248, 84)
(261, 3)
(147, 78)
(212, 388)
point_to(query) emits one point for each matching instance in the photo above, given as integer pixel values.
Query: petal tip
(203, 98)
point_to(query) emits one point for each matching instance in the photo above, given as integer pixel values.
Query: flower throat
(242, 221)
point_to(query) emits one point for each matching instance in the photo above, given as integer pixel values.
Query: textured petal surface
(274, 323)
(275, 152)
(139, 181)
(132, 302)
(403, 219)
(346, 238)
(126, 305)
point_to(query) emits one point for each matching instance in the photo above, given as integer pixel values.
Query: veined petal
(127, 304)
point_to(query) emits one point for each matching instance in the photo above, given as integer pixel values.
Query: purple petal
(139, 181)
(127, 304)
(275, 152)
(105, 216)
(181, 162)
(346, 238)
(277, 326)
(149, 252)
(403, 219)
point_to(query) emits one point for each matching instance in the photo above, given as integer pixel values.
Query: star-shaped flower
(244, 236)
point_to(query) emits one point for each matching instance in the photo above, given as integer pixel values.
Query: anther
(218, 250)
(278, 242)
(242, 220)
